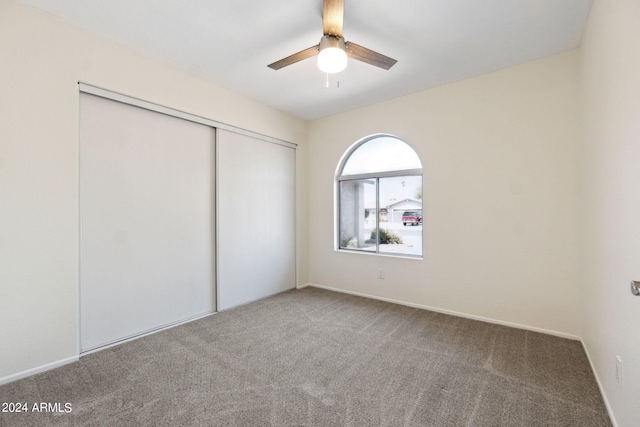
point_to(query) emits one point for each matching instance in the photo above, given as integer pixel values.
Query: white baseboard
(450, 312)
(37, 370)
(303, 286)
(602, 393)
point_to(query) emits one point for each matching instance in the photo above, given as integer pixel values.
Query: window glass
(381, 210)
(381, 154)
(401, 215)
(357, 214)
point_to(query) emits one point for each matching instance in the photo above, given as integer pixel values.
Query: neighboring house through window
(379, 187)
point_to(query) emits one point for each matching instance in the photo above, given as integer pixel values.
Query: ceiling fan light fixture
(332, 51)
(333, 54)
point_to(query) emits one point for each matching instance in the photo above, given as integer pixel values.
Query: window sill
(383, 254)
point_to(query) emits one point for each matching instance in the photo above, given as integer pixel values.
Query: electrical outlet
(619, 370)
(381, 273)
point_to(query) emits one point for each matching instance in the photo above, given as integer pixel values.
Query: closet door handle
(635, 288)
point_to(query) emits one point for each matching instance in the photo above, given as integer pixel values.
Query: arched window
(379, 187)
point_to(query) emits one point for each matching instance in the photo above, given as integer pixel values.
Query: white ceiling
(231, 42)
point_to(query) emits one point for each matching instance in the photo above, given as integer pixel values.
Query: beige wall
(610, 65)
(42, 59)
(500, 163)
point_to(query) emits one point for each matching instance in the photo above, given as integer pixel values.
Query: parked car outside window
(411, 217)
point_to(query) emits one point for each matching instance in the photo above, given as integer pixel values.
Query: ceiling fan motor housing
(331, 41)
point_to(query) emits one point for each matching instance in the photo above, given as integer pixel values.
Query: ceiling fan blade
(332, 17)
(369, 56)
(292, 59)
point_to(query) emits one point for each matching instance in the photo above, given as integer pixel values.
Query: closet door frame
(125, 99)
(137, 102)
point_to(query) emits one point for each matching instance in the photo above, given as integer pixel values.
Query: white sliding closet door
(147, 221)
(256, 219)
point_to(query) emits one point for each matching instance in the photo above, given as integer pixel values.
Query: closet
(180, 216)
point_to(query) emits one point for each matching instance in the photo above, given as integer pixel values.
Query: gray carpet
(316, 358)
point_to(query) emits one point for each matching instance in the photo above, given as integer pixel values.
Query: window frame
(376, 176)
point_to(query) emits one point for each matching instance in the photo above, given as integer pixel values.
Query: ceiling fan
(332, 50)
